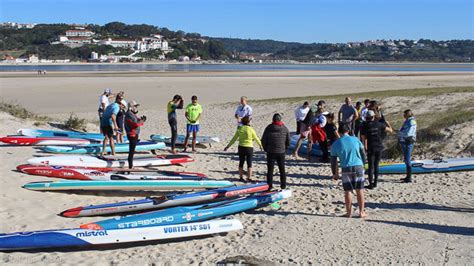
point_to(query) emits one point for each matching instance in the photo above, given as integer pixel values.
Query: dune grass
(426, 92)
(19, 111)
(75, 123)
(431, 127)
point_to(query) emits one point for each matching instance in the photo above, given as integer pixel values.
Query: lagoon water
(236, 67)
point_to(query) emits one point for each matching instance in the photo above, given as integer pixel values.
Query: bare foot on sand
(363, 215)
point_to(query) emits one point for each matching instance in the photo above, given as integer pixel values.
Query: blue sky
(291, 20)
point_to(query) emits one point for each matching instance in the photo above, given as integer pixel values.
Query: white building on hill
(123, 43)
(79, 33)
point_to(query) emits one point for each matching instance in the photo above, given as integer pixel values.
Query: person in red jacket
(132, 127)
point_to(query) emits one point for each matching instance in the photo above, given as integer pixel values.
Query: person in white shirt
(243, 110)
(104, 101)
(300, 114)
(363, 112)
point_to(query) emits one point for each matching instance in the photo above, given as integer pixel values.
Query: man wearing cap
(300, 114)
(104, 101)
(132, 127)
(275, 142)
(176, 103)
(243, 110)
(351, 154)
(108, 124)
(193, 114)
(371, 134)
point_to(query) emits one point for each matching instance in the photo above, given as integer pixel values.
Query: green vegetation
(428, 92)
(18, 111)
(399, 50)
(74, 122)
(24, 42)
(432, 126)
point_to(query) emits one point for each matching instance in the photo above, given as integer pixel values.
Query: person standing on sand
(318, 134)
(275, 142)
(300, 114)
(246, 136)
(132, 127)
(358, 121)
(364, 109)
(331, 129)
(371, 134)
(104, 101)
(243, 110)
(121, 119)
(347, 115)
(305, 131)
(108, 125)
(407, 139)
(176, 103)
(193, 114)
(350, 152)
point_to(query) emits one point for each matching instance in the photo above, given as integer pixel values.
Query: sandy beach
(427, 222)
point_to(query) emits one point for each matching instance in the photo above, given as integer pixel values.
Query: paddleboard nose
(73, 212)
(91, 226)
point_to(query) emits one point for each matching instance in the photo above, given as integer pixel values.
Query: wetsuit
(173, 122)
(132, 127)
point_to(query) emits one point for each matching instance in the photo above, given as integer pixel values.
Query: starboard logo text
(148, 222)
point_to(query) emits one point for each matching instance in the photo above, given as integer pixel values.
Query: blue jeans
(407, 149)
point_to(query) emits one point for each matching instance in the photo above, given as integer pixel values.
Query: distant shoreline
(398, 63)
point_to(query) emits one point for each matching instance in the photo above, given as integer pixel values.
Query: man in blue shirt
(350, 152)
(407, 139)
(108, 124)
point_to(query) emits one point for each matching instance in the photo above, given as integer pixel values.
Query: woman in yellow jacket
(246, 135)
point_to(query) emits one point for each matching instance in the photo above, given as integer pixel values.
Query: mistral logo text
(92, 233)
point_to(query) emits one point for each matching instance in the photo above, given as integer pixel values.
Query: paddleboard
(167, 201)
(37, 141)
(59, 133)
(430, 166)
(91, 161)
(179, 215)
(126, 185)
(84, 237)
(77, 173)
(315, 151)
(180, 139)
(97, 148)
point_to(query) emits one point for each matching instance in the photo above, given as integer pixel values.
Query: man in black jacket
(275, 141)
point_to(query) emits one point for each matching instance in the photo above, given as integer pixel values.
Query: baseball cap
(123, 102)
(132, 104)
(370, 113)
(108, 90)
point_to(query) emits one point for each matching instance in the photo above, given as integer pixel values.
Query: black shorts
(107, 131)
(245, 155)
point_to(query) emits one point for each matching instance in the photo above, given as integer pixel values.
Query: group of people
(120, 118)
(347, 143)
(357, 138)
(117, 119)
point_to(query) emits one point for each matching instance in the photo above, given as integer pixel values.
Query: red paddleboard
(30, 141)
(85, 173)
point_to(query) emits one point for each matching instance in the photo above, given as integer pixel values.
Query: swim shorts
(305, 131)
(353, 178)
(192, 128)
(107, 131)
